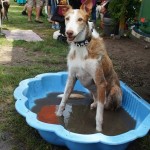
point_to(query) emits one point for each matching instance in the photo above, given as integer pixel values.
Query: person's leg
(38, 9)
(53, 7)
(53, 10)
(42, 5)
(49, 9)
(24, 10)
(25, 7)
(29, 8)
(29, 13)
(62, 36)
(62, 28)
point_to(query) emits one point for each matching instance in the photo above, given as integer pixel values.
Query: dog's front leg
(68, 89)
(101, 84)
(101, 90)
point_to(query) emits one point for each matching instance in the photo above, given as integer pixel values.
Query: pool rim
(61, 132)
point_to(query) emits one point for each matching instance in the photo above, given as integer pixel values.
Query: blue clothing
(53, 5)
(21, 1)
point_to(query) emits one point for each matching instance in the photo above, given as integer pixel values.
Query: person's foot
(38, 21)
(24, 13)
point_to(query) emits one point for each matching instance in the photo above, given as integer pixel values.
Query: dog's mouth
(70, 38)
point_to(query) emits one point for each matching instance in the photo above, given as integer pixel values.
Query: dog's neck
(84, 37)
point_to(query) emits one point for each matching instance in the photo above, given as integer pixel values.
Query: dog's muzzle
(70, 35)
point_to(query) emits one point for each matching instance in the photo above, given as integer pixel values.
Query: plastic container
(31, 89)
(21, 2)
(109, 26)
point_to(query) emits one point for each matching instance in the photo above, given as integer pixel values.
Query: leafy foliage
(128, 8)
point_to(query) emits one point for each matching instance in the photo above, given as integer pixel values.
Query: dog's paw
(93, 105)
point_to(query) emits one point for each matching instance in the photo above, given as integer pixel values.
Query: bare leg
(38, 9)
(29, 13)
(49, 11)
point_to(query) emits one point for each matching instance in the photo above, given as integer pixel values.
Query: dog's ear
(87, 6)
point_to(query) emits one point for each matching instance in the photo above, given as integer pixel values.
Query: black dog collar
(83, 43)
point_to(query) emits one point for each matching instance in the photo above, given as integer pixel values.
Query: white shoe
(56, 34)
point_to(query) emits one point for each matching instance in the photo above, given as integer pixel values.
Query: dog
(4, 6)
(89, 62)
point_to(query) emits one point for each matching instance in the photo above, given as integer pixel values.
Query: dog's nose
(69, 32)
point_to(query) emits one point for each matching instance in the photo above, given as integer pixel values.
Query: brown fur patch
(84, 15)
(106, 76)
(96, 48)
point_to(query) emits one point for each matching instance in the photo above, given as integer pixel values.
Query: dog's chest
(80, 65)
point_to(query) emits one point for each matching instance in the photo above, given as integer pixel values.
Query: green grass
(51, 57)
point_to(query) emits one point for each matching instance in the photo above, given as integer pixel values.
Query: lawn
(39, 57)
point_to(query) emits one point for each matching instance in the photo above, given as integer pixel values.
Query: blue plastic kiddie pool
(34, 88)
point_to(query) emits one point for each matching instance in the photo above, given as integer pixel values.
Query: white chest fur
(83, 69)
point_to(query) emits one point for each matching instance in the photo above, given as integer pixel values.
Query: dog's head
(77, 19)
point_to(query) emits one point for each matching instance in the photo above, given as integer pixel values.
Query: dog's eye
(80, 19)
(67, 18)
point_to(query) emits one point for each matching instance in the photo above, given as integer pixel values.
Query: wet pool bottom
(78, 117)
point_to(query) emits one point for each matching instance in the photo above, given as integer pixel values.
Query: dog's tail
(73, 95)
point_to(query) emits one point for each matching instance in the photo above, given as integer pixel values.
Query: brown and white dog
(88, 62)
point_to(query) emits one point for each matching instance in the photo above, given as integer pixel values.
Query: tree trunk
(121, 25)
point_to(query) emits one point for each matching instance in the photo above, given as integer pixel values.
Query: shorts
(32, 3)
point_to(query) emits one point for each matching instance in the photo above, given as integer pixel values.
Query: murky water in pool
(78, 117)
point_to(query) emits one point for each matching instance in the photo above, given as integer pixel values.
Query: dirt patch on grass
(13, 56)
